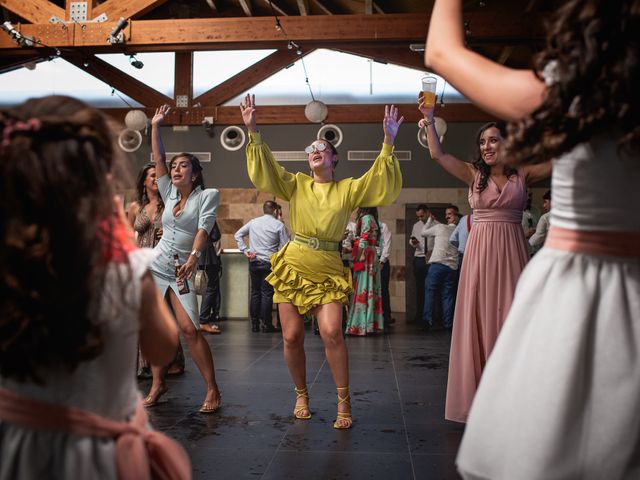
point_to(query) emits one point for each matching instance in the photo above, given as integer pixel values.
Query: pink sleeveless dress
(495, 255)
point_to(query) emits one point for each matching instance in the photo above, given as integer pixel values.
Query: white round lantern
(135, 120)
(316, 111)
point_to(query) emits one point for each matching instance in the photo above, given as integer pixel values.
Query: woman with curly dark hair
(496, 253)
(75, 296)
(559, 397)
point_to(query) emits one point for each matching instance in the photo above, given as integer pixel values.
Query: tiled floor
(398, 386)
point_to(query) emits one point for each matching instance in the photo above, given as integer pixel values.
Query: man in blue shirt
(267, 235)
(460, 236)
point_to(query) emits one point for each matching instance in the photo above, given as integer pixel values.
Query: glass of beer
(429, 91)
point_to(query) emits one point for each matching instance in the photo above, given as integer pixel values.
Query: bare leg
(293, 336)
(200, 352)
(330, 324)
(158, 385)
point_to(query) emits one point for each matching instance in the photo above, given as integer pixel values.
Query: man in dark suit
(210, 262)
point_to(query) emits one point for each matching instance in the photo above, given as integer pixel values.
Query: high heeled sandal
(343, 416)
(298, 409)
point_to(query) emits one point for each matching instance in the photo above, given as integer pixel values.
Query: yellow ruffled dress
(300, 275)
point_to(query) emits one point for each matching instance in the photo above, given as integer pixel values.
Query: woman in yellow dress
(307, 273)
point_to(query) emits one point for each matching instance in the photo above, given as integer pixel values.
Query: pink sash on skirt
(617, 244)
(140, 453)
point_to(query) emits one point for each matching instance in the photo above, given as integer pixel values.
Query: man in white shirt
(266, 236)
(384, 250)
(443, 265)
(420, 257)
(537, 239)
(530, 217)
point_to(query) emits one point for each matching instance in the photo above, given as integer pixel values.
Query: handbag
(200, 282)
(201, 278)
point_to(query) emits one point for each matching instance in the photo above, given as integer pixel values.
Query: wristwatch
(196, 253)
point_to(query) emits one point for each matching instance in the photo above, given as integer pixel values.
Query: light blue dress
(199, 212)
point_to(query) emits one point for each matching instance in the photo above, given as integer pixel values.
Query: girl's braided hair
(56, 223)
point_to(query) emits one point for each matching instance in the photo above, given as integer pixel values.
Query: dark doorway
(410, 284)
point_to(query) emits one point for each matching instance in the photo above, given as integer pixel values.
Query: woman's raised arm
(382, 183)
(263, 169)
(157, 147)
(456, 167)
(508, 93)
(248, 111)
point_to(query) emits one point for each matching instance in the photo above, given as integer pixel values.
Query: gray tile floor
(398, 384)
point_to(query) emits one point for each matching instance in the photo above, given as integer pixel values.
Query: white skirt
(560, 396)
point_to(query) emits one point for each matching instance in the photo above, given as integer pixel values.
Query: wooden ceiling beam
(212, 5)
(34, 11)
(275, 7)
(8, 64)
(322, 7)
(246, 7)
(258, 32)
(294, 114)
(114, 9)
(303, 7)
(396, 55)
(249, 77)
(505, 54)
(183, 80)
(117, 79)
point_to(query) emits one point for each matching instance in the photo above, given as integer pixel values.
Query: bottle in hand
(183, 285)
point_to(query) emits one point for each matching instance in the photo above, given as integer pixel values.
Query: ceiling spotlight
(16, 36)
(135, 63)
(7, 27)
(116, 35)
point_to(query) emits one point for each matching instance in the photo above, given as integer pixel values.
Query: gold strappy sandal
(343, 416)
(298, 409)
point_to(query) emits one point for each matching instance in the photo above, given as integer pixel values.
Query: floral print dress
(365, 313)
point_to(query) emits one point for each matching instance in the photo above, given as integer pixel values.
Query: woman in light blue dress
(189, 215)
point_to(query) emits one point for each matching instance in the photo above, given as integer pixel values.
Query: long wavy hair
(362, 211)
(591, 66)
(141, 191)
(56, 225)
(479, 163)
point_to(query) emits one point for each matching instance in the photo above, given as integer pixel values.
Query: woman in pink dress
(559, 396)
(495, 256)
